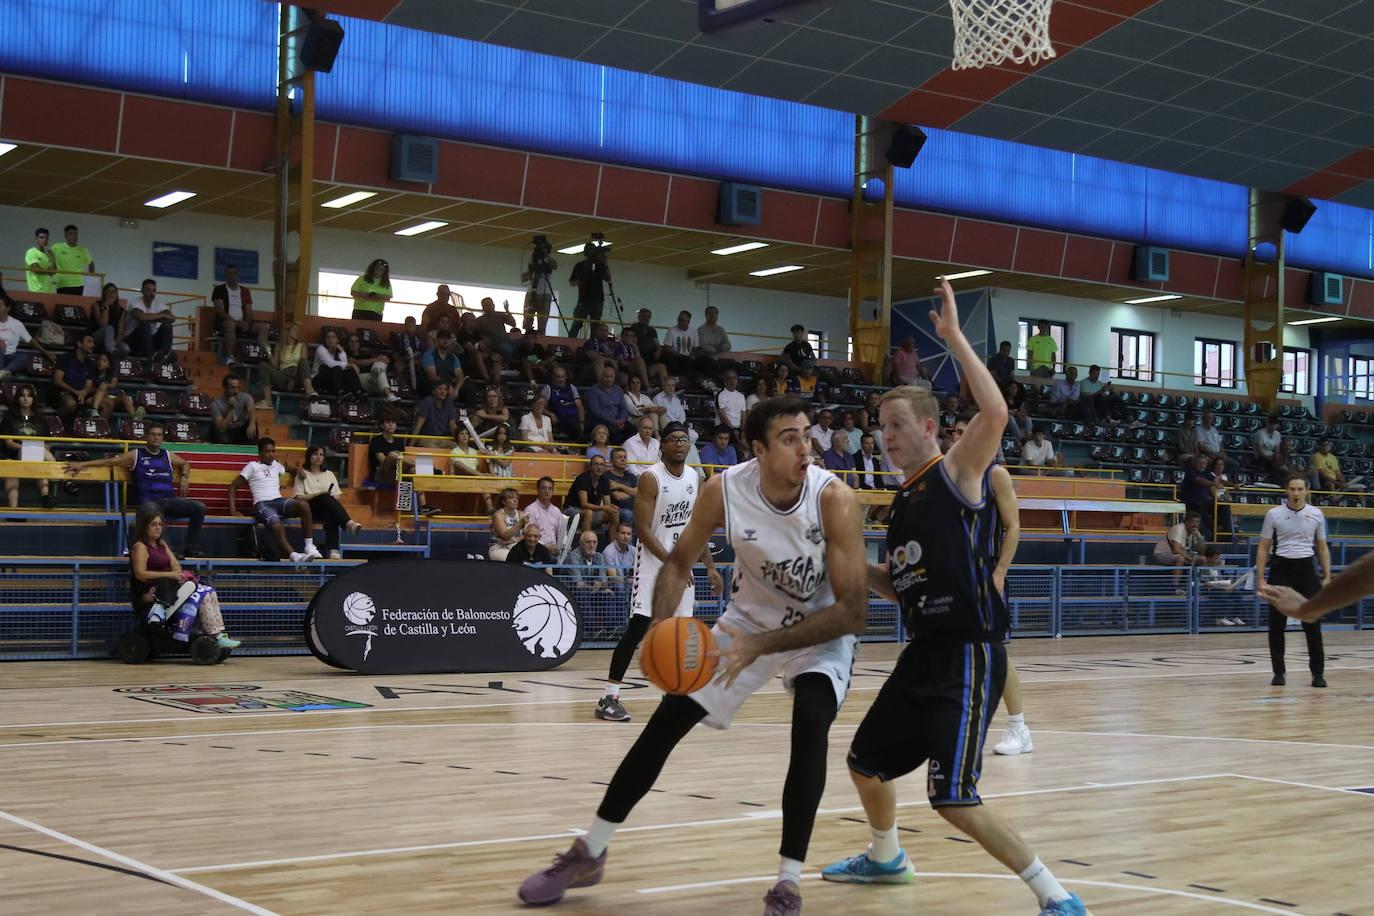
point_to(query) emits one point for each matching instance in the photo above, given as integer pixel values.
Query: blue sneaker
(1071, 907)
(862, 870)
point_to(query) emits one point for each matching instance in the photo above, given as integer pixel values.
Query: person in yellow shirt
(39, 262)
(1042, 350)
(72, 261)
(1324, 469)
(372, 291)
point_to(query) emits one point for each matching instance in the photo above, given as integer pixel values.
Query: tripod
(537, 279)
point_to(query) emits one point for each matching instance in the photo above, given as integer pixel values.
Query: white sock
(612, 690)
(789, 870)
(599, 836)
(1042, 883)
(885, 847)
(309, 545)
(1018, 721)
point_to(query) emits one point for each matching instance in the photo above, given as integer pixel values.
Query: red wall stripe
(1040, 252)
(984, 244)
(61, 115)
(632, 194)
(170, 129)
(479, 172)
(561, 184)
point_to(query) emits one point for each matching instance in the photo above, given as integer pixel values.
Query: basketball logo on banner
(359, 609)
(543, 618)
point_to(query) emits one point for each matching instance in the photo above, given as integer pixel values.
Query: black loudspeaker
(907, 140)
(1296, 213)
(321, 44)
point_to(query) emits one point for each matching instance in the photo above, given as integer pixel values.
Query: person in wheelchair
(165, 594)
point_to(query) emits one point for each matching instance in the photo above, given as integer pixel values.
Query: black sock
(638, 772)
(813, 709)
(625, 649)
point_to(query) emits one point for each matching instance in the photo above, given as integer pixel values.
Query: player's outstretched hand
(734, 658)
(946, 318)
(717, 583)
(1284, 599)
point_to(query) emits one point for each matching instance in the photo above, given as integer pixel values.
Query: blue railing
(76, 608)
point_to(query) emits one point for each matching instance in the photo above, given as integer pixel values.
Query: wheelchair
(146, 641)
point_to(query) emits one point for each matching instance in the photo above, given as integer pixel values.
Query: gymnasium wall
(126, 256)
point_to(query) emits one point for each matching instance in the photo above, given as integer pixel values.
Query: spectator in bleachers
(1185, 440)
(407, 345)
(372, 291)
(156, 579)
(570, 416)
(589, 498)
(287, 367)
(269, 506)
(1042, 350)
(1039, 451)
(493, 413)
(950, 415)
(232, 417)
(467, 344)
(529, 549)
(441, 306)
(1198, 491)
(537, 425)
(634, 364)
(712, 344)
(597, 352)
(332, 373)
(441, 363)
(799, 354)
(784, 383)
(12, 334)
(1001, 365)
(730, 404)
(587, 572)
(646, 338)
(624, 483)
(600, 442)
(547, 517)
(464, 457)
(619, 558)
(436, 414)
(1324, 469)
(1222, 496)
(318, 486)
(643, 449)
(371, 370)
(386, 457)
(907, 368)
(1271, 451)
(1182, 544)
(507, 525)
(491, 325)
(1014, 393)
(760, 390)
(1209, 441)
(73, 384)
(848, 435)
(499, 451)
(233, 305)
(674, 411)
(720, 450)
(106, 322)
(868, 465)
(638, 403)
(149, 331)
(590, 275)
(21, 422)
(108, 392)
(678, 343)
(72, 260)
(606, 405)
(1099, 398)
(1019, 424)
(1066, 396)
(807, 384)
(530, 357)
(157, 477)
(38, 261)
(822, 434)
(838, 460)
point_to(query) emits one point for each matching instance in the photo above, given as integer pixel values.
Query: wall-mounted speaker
(321, 44)
(1150, 264)
(414, 159)
(907, 140)
(739, 204)
(1296, 213)
(1325, 288)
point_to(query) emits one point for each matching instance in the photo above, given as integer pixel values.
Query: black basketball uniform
(948, 681)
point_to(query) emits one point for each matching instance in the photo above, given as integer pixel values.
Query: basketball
(676, 655)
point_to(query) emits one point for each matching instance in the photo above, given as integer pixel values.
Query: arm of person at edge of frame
(1350, 586)
(967, 460)
(1004, 492)
(844, 563)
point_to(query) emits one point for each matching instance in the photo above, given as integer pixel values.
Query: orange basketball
(675, 656)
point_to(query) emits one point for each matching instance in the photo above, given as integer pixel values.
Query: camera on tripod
(541, 264)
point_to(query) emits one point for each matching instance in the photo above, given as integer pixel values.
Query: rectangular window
(1133, 354)
(1026, 328)
(817, 341)
(1362, 377)
(1214, 363)
(1297, 377)
(409, 297)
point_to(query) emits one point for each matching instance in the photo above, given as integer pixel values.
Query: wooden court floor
(1168, 777)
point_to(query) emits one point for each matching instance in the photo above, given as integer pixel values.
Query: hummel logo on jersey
(814, 534)
(751, 534)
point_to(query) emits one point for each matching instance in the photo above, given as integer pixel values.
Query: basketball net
(988, 32)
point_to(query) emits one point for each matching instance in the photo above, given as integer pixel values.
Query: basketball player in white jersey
(798, 599)
(663, 503)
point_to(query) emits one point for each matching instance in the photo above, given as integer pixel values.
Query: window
(1214, 363)
(1362, 377)
(1297, 379)
(1133, 354)
(817, 341)
(409, 297)
(1026, 327)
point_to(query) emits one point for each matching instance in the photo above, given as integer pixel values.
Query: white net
(988, 32)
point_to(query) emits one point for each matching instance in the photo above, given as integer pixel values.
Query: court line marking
(151, 871)
(647, 828)
(1348, 747)
(1302, 785)
(1114, 885)
(195, 717)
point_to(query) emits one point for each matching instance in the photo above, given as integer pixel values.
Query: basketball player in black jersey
(936, 705)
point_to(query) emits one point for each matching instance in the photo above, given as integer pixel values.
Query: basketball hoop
(988, 32)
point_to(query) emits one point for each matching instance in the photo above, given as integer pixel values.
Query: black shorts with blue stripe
(935, 707)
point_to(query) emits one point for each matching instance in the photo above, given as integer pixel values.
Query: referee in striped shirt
(1294, 530)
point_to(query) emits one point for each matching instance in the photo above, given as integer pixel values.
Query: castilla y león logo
(359, 611)
(544, 620)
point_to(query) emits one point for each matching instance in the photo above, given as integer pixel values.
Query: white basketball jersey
(780, 574)
(672, 509)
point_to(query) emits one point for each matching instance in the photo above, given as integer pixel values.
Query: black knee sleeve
(813, 710)
(629, 641)
(638, 772)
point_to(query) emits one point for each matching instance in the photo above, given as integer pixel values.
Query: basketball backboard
(714, 15)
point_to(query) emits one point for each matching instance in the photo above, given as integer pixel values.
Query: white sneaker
(1016, 740)
(335, 555)
(392, 397)
(312, 554)
(299, 557)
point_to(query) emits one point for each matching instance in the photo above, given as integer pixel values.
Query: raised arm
(968, 458)
(1009, 510)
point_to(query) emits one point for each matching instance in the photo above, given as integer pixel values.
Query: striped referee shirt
(1294, 532)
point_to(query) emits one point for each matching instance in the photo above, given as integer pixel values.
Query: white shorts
(834, 659)
(642, 592)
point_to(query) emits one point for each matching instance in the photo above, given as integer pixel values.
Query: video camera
(541, 264)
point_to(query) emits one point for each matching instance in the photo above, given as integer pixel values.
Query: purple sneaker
(574, 868)
(783, 900)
